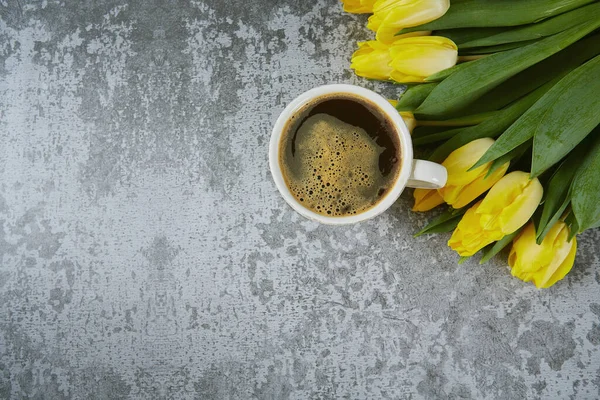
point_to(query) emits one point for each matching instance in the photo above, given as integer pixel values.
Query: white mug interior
(392, 114)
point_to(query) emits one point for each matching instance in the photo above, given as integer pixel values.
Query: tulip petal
(358, 6)
(372, 60)
(460, 160)
(423, 56)
(546, 263)
(564, 267)
(505, 191)
(511, 202)
(387, 34)
(383, 7)
(553, 252)
(475, 189)
(468, 237)
(409, 13)
(530, 257)
(508, 206)
(421, 63)
(437, 41)
(403, 78)
(464, 185)
(517, 213)
(426, 199)
(374, 22)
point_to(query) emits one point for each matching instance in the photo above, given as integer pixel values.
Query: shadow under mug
(413, 173)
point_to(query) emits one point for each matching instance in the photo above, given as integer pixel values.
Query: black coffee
(339, 155)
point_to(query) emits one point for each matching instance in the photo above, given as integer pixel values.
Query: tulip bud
(374, 22)
(426, 199)
(544, 264)
(372, 60)
(416, 58)
(508, 205)
(408, 59)
(390, 16)
(464, 186)
(358, 6)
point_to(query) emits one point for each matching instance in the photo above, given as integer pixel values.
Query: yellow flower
(426, 199)
(415, 58)
(372, 60)
(507, 207)
(464, 186)
(410, 59)
(374, 22)
(544, 264)
(358, 6)
(390, 16)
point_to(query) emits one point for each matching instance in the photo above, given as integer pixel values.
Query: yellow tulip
(374, 22)
(507, 207)
(415, 58)
(390, 16)
(372, 60)
(426, 199)
(410, 59)
(358, 6)
(464, 186)
(544, 264)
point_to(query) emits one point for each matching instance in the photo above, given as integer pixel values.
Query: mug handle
(427, 175)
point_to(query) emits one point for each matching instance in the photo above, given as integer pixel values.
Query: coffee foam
(339, 168)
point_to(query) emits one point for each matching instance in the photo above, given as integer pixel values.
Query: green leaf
(586, 188)
(445, 222)
(573, 225)
(494, 13)
(495, 49)
(497, 247)
(478, 77)
(565, 115)
(514, 154)
(443, 74)
(466, 35)
(467, 120)
(534, 120)
(462, 259)
(491, 127)
(535, 76)
(557, 193)
(414, 96)
(538, 30)
(543, 230)
(421, 131)
(436, 137)
(597, 225)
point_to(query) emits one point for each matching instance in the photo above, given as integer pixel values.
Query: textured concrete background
(145, 252)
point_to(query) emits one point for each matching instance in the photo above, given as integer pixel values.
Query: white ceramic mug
(413, 173)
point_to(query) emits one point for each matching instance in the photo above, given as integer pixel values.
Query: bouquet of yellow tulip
(505, 95)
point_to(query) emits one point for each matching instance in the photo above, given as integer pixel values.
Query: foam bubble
(343, 176)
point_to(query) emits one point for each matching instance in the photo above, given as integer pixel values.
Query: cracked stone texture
(146, 253)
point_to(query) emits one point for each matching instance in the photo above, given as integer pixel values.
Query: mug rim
(400, 128)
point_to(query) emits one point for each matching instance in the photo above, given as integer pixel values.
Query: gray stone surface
(145, 252)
